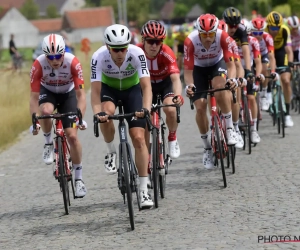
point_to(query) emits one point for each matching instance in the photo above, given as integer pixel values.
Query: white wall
(93, 34)
(25, 33)
(72, 5)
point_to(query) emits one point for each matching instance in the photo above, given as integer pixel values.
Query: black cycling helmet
(232, 16)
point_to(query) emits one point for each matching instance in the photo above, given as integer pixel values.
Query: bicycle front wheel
(62, 176)
(127, 184)
(247, 122)
(281, 112)
(155, 162)
(220, 149)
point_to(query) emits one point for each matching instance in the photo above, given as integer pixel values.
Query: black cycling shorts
(163, 88)
(265, 58)
(180, 48)
(296, 56)
(282, 61)
(202, 75)
(64, 103)
(131, 98)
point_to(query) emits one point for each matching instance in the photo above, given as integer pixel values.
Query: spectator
(13, 52)
(69, 46)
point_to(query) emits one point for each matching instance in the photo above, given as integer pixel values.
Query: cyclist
(266, 45)
(57, 83)
(283, 55)
(206, 49)
(293, 23)
(119, 72)
(178, 46)
(237, 31)
(164, 75)
(169, 40)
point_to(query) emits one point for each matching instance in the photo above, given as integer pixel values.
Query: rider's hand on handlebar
(189, 90)
(178, 99)
(242, 82)
(83, 126)
(103, 117)
(232, 82)
(275, 76)
(261, 77)
(143, 113)
(35, 132)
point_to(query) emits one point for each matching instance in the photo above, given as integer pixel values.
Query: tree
(52, 11)
(30, 10)
(180, 10)
(92, 3)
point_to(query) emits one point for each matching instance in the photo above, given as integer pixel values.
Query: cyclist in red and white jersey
(208, 52)
(266, 45)
(293, 23)
(57, 83)
(164, 75)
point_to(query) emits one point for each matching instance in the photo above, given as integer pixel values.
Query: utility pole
(125, 12)
(120, 11)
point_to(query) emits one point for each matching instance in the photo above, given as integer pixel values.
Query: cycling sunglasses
(52, 57)
(257, 33)
(274, 28)
(154, 41)
(233, 26)
(119, 49)
(207, 34)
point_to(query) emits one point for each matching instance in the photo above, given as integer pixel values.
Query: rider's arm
(245, 46)
(175, 48)
(188, 61)
(270, 46)
(76, 70)
(35, 83)
(256, 56)
(96, 84)
(177, 87)
(227, 44)
(288, 44)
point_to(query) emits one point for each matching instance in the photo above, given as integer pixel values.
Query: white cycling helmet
(293, 22)
(53, 44)
(247, 24)
(117, 35)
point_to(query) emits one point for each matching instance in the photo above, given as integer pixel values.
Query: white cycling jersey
(134, 67)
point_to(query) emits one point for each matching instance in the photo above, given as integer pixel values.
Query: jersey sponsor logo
(129, 59)
(43, 96)
(79, 71)
(109, 66)
(269, 40)
(93, 69)
(129, 67)
(170, 58)
(143, 64)
(32, 71)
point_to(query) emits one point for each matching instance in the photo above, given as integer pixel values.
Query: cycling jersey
(196, 54)
(134, 67)
(169, 41)
(59, 81)
(266, 44)
(180, 38)
(254, 50)
(240, 36)
(296, 41)
(163, 65)
(283, 37)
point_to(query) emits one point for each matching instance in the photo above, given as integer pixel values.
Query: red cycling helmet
(153, 29)
(207, 23)
(258, 24)
(223, 25)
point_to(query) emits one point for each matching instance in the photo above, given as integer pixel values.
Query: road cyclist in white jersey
(119, 72)
(57, 83)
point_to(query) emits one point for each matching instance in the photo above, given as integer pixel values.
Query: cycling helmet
(274, 19)
(223, 25)
(247, 25)
(53, 44)
(232, 16)
(207, 23)
(258, 24)
(293, 22)
(117, 35)
(153, 29)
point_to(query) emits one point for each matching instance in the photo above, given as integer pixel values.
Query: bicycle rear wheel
(62, 176)
(220, 149)
(155, 162)
(247, 122)
(162, 172)
(281, 112)
(257, 97)
(165, 148)
(127, 184)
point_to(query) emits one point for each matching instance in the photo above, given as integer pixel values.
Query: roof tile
(48, 25)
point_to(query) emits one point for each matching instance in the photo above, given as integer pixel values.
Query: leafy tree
(180, 10)
(30, 10)
(92, 3)
(52, 11)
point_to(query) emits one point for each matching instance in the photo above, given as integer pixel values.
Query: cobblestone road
(262, 198)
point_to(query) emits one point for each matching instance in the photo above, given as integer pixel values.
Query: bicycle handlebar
(56, 116)
(211, 91)
(156, 107)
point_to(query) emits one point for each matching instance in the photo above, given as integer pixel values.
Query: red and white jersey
(59, 81)
(196, 54)
(163, 65)
(296, 41)
(266, 44)
(254, 50)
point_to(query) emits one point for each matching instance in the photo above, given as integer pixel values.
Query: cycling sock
(143, 183)
(48, 138)
(78, 171)
(172, 136)
(253, 127)
(236, 126)
(205, 140)
(264, 92)
(111, 147)
(287, 107)
(228, 120)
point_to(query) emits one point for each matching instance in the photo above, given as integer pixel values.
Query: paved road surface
(262, 199)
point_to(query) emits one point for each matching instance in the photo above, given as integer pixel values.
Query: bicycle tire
(127, 184)
(232, 157)
(162, 176)
(165, 149)
(62, 179)
(248, 122)
(220, 149)
(257, 97)
(155, 162)
(281, 112)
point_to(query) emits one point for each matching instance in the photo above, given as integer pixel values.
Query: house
(167, 10)
(89, 22)
(13, 22)
(12, 3)
(47, 26)
(194, 13)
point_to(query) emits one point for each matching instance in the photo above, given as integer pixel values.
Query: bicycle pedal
(78, 197)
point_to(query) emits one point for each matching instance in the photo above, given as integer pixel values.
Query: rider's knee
(138, 140)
